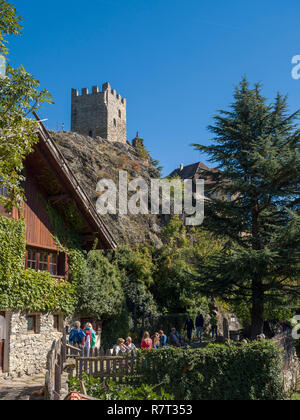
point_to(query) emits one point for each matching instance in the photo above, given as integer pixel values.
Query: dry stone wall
(28, 351)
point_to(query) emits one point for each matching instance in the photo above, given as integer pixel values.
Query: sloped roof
(71, 186)
(189, 171)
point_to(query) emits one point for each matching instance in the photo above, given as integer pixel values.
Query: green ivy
(27, 289)
(68, 241)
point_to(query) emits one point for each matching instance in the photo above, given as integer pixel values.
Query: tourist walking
(89, 341)
(77, 336)
(146, 342)
(199, 326)
(189, 327)
(214, 326)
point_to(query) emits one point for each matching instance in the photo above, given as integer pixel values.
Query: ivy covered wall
(22, 289)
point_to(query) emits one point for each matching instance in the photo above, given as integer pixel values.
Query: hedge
(216, 372)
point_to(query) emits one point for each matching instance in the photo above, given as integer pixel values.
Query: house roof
(69, 187)
(190, 171)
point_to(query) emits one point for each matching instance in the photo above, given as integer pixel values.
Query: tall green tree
(174, 288)
(19, 96)
(100, 293)
(137, 270)
(256, 148)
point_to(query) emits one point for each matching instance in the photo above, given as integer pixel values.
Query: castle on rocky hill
(98, 113)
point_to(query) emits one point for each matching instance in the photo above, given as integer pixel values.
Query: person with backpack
(77, 336)
(90, 339)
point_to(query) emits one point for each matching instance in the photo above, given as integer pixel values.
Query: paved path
(21, 388)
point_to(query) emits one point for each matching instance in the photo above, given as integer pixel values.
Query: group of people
(157, 341)
(86, 338)
(199, 323)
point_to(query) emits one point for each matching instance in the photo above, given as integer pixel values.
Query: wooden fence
(107, 366)
(96, 364)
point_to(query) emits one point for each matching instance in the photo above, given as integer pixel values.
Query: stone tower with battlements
(98, 113)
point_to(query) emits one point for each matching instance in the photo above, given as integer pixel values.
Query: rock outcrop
(92, 159)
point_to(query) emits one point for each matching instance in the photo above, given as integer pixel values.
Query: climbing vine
(68, 241)
(27, 289)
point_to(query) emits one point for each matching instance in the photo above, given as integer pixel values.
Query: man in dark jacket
(189, 326)
(199, 326)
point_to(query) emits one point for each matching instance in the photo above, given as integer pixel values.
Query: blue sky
(176, 62)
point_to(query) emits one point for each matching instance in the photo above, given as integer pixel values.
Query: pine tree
(256, 192)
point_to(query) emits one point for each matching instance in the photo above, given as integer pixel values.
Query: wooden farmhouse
(25, 338)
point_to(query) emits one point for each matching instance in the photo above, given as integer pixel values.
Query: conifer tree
(255, 197)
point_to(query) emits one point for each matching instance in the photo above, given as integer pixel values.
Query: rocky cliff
(92, 159)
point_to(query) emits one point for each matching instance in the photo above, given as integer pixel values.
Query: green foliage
(38, 291)
(137, 263)
(256, 147)
(137, 270)
(217, 372)
(156, 164)
(12, 257)
(119, 326)
(140, 149)
(19, 96)
(68, 240)
(10, 23)
(110, 390)
(100, 290)
(27, 289)
(176, 262)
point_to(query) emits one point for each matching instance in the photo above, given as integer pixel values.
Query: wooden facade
(50, 182)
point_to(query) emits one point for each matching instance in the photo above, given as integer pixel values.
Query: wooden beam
(60, 197)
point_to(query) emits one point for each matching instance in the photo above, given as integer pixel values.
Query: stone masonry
(28, 351)
(98, 113)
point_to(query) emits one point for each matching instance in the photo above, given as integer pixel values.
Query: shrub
(110, 390)
(217, 372)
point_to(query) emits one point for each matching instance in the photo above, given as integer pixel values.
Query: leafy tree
(19, 96)
(100, 291)
(256, 147)
(176, 263)
(137, 273)
(157, 165)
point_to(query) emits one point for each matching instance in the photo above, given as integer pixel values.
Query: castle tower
(98, 113)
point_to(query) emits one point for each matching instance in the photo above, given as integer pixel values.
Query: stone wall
(290, 361)
(99, 114)
(27, 352)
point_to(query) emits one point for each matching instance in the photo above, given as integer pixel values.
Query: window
(57, 323)
(115, 122)
(53, 264)
(31, 259)
(120, 114)
(33, 324)
(43, 260)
